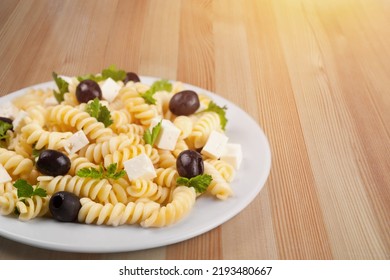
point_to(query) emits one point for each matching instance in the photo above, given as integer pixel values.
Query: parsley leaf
(155, 87)
(24, 189)
(221, 111)
(199, 183)
(112, 174)
(94, 173)
(113, 73)
(4, 127)
(62, 85)
(98, 111)
(150, 138)
(96, 78)
(90, 173)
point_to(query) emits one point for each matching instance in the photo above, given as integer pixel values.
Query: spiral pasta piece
(137, 106)
(226, 170)
(180, 146)
(183, 200)
(166, 177)
(34, 134)
(167, 159)
(121, 156)
(32, 207)
(15, 164)
(218, 186)
(115, 214)
(208, 122)
(141, 188)
(8, 202)
(82, 187)
(120, 118)
(96, 152)
(185, 125)
(68, 115)
(78, 162)
(6, 187)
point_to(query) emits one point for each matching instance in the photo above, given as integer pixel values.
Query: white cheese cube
(4, 176)
(232, 154)
(8, 110)
(140, 167)
(215, 145)
(168, 136)
(110, 89)
(76, 142)
(18, 122)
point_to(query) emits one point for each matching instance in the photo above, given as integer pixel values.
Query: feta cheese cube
(140, 167)
(215, 145)
(8, 110)
(76, 142)
(232, 154)
(110, 89)
(4, 176)
(168, 136)
(18, 122)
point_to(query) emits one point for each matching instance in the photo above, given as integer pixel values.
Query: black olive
(6, 120)
(64, 206)
(184, 103)
(88, 90)
(189, 164)
(130, 76)
(53, 163)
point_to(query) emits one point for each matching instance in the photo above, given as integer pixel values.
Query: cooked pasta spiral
(121, 156)
(8, 202)
(208, 122)
(34, 134)
(115, 214)
(68, 115)
(84, 187)
(166, 177)
(225, 169)
(15, 164)
(95, 152)
(218, 186)
(183, 200)
(32, 207)
(6, 187)
(141, 188)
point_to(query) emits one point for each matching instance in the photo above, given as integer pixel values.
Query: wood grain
(314, 75)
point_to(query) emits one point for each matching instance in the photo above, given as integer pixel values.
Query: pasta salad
(108, 149)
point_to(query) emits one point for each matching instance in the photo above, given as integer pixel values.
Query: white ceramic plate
(207, 214)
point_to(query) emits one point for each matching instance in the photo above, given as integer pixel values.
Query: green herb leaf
(62, 85)
(40, 192)
(90, 173)
(114, 73)
(96, 78)
(221, 111)
(155, 87)
(94, 173)
(4, 127)
(110, 72)
(25, 190)
(98, 111)
(199, 183)
(113, 174)
(150, 138)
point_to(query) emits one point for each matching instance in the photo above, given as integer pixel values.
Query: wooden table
(314, 74)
